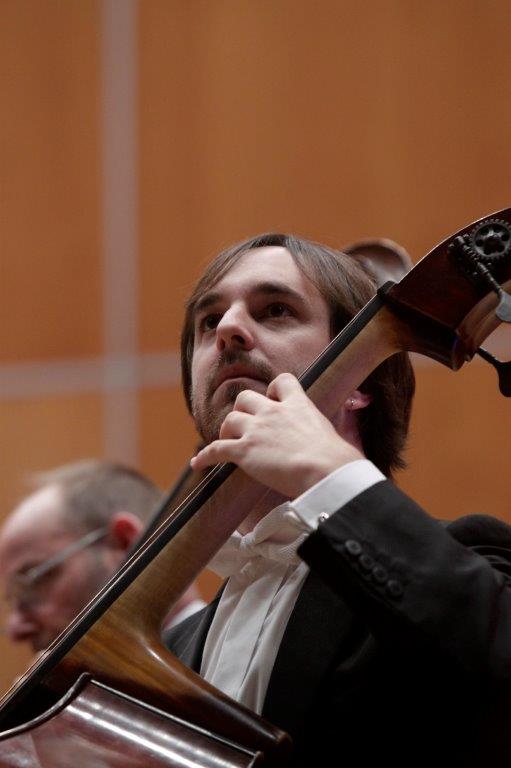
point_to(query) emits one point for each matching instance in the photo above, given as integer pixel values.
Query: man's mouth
(233, 374)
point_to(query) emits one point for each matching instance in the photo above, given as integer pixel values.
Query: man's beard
(209, 417)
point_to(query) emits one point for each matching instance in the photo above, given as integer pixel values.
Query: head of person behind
(64, 541)
(270, 304)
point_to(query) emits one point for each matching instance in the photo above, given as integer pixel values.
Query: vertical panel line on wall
(119, 196)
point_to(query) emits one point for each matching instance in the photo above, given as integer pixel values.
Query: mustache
(257, 368)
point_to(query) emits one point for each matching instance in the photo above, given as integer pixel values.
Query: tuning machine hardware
(503, 370)
(480, 253)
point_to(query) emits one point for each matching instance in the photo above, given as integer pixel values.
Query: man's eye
(209, 322)
(276, 309)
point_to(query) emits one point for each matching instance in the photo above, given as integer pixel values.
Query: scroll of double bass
(444, 308)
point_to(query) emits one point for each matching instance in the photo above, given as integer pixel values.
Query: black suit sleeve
(420, 583)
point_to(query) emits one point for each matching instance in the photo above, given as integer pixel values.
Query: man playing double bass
(350, 618)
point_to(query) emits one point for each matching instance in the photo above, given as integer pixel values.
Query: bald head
(41, 511)
(93, 491)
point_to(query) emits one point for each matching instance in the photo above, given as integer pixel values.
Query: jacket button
(380, 575)
(366, 562)
(394, 588)
(353, 547)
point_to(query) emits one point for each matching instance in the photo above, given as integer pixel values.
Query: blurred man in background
(64, 541)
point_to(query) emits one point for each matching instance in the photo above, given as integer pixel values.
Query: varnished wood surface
(95, 726)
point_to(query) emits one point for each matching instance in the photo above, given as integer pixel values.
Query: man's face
(32, 534)
(264, 317)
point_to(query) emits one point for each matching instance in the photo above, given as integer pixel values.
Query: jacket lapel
(312, 642)
(187, 639)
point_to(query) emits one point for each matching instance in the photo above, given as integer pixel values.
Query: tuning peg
(503, 369)
(481, 251)
(503, 310)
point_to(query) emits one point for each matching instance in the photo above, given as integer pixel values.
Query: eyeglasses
(26, 589)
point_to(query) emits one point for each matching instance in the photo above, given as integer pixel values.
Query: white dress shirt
(265, 578)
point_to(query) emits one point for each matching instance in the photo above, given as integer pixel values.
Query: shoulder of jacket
(480, 530)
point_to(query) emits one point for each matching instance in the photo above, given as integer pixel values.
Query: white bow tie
(274, 538)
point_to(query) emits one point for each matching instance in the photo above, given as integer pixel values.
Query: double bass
(106, 692)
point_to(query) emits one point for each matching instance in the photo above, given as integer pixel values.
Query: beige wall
(332, 120)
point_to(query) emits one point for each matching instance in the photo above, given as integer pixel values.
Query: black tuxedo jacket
(399, 645)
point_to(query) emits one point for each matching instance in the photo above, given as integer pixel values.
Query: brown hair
(346, 288)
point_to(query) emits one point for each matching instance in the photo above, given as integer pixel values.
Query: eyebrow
(265, 288)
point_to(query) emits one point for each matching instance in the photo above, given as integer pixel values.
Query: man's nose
(234, 330)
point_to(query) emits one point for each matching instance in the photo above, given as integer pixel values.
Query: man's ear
(124, 529)
(357, 400)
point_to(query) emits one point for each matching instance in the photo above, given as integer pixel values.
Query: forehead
(33, 531)
(258, 270)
